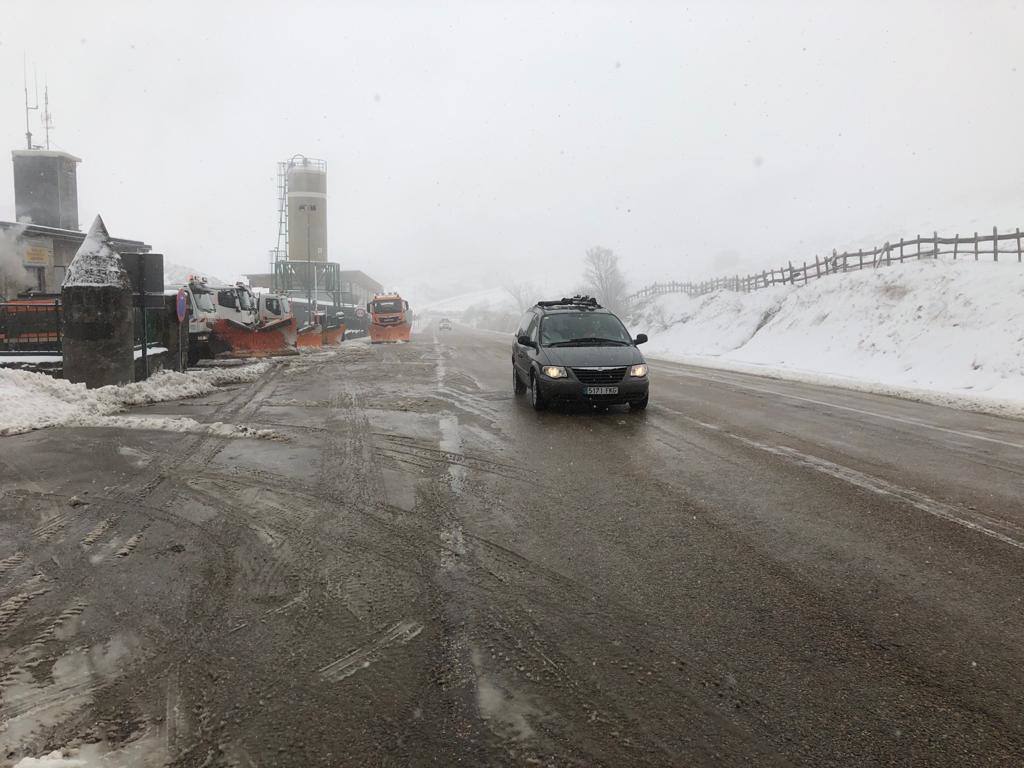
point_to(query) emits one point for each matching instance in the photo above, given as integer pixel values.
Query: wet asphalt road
(423, 571)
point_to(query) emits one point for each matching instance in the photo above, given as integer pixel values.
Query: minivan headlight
(639, 371)
(554, 371)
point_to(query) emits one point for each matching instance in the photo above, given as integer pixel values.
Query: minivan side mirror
(641, 338)
(524, 340)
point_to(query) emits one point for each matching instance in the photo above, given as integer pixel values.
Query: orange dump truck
(390, 319)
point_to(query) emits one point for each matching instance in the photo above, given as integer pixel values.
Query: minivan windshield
(569, 329)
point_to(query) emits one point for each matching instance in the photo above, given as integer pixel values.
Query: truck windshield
(204, 301)
(383, 307)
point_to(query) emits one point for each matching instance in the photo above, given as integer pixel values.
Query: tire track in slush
(130, 498)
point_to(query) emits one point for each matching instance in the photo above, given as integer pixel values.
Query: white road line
(861, 411)
(870, 483)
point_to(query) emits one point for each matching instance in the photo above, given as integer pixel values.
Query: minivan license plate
(601, 391)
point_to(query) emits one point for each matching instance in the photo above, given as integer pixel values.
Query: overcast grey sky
(472, 142)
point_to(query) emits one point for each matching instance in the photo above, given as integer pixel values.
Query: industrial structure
(300, 265)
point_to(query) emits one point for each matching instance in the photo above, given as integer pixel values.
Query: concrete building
(46, 188)
(45, 253)
(38, 246)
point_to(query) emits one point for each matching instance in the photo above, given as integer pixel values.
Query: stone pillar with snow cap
(98, 334)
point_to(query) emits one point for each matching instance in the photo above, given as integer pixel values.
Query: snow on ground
(941, 331)
(34, 400)
(55, 759)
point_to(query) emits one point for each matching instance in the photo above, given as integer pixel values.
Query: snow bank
(34, 400)
(950, 332)
(55, 759)
(96, 263)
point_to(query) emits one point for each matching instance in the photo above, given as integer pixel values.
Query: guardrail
(972, 248)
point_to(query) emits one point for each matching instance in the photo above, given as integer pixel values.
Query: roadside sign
(181, 305)
(360, 313)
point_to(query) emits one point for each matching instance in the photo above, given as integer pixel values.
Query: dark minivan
(576, 351)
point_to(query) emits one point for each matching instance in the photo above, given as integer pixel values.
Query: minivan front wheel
(537, 399)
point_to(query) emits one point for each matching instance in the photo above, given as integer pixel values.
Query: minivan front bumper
(631, 389)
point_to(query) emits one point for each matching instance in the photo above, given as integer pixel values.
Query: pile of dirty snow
(949, 332)
(34, 400)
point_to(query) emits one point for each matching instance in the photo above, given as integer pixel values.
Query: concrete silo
(307, 209)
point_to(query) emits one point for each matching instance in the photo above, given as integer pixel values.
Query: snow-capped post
(98, 322)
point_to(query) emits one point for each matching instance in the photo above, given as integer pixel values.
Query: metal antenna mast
(47, 117)
(28, 129)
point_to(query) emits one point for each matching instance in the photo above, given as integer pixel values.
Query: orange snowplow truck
(389, 318)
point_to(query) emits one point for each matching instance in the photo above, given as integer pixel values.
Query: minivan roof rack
(577, 302)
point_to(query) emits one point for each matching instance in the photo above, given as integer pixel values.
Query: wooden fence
(987, 246)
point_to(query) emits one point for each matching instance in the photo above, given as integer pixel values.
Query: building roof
(43, 153)
(357, 276)
(73, 235)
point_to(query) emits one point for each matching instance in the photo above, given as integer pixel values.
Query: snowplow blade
(311, 336)
(229, 339)
(390, 333)
(334, 336)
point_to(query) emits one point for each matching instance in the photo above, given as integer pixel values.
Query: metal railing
(30, 326)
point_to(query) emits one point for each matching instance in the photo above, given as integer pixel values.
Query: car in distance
(445, 324)
(575, 351)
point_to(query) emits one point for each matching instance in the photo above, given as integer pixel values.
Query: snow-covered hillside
(178, 274)
(492, 309)
(950, 332)
(490, 297)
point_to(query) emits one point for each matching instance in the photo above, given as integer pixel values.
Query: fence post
(995, 244)
(1018, 244)
(935, 236)
(918, 246)
(901, 249)
(956, 245)
(975, 246)
(888, 254)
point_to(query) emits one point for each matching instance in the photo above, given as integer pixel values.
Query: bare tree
(524, 294)
(604, 278)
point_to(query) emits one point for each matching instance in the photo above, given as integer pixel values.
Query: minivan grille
(599, 375)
